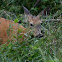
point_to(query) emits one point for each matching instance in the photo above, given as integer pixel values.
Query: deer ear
(40, 14)
(26, 11)
(43, 12)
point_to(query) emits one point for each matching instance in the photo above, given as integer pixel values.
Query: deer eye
(31, 25)
(41, 23)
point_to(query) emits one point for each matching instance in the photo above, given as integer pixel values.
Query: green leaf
(14, 36)
(19, 36)
(16, 20)
(20, 30)
(33, 47)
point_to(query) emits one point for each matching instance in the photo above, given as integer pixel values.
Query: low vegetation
(45, 49)
(31, 49)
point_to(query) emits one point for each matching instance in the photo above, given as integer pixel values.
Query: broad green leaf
(16, 20)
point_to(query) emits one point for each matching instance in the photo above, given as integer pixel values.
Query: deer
(12, 27)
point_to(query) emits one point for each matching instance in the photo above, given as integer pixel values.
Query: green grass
(45, 49)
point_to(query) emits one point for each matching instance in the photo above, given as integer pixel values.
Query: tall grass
(45, 49)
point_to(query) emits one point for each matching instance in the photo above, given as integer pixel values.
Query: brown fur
(8, 28)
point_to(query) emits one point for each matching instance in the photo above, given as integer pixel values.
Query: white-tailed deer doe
(8, 28)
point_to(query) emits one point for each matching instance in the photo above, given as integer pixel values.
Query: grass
(45, 49)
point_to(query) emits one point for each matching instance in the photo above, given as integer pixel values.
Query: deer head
(34, 22)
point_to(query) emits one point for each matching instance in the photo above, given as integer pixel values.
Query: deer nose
(39, 35)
